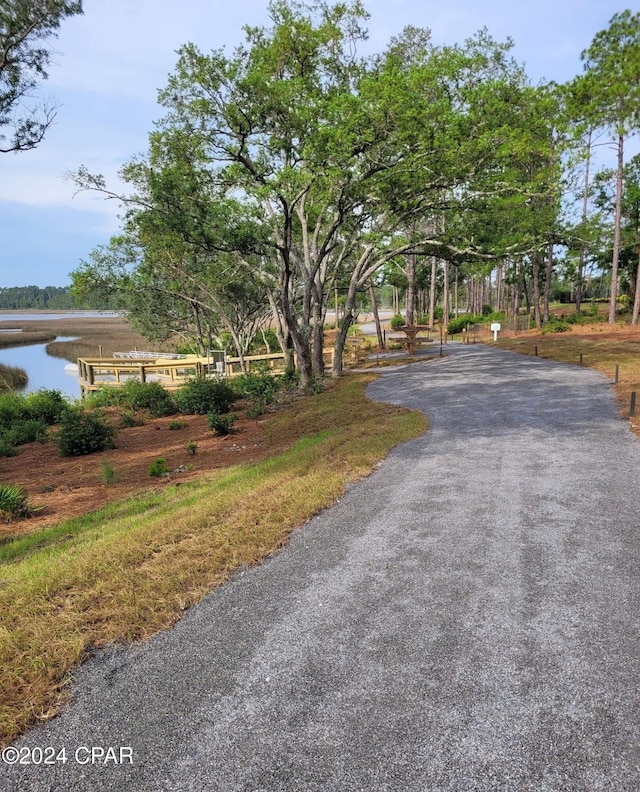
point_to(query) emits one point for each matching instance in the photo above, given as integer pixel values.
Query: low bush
(258, 385)
(26, 431)
(12, 409)
(158, 468)
(177, 424)
(110, 476)
(201, 396)
(25, 419)
(14, 503)
(396, 321)
(149, 397)
(105, 397)
(83, 432)
(458, 324)
(221, 424)
(129, 418)
(46, 405)
(555, 326)
(7, 448)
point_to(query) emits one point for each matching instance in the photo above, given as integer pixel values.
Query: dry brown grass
(112, 334)
(131, 572)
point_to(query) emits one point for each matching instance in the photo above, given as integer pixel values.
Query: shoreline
(89, 332)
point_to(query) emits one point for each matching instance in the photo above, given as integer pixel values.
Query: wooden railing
(171, 373)
(94, 373)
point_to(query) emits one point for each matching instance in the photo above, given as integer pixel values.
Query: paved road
(465, 619)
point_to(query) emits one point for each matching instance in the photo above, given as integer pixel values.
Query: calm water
(43, 370)
(16, 316)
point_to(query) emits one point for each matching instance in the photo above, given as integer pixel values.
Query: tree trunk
(498, 300)
(432, 291)
(318, 336)
(535, 266)
(376, 315)
(583, 243)
(547, 283)
(455, 293)
(518, 288)
(636, 299)
(616, 234)
(347, 320)
(445, 294)
(300, 336)
(198, 328)
(411, 287)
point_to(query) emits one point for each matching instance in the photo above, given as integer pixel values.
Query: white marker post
(495, 326)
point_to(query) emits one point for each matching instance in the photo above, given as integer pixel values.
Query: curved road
(464, 619)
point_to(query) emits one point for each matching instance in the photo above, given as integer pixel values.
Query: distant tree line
(50, 298)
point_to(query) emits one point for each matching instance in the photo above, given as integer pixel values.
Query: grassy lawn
(125, 572)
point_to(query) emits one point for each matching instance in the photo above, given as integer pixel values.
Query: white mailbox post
(495, 326)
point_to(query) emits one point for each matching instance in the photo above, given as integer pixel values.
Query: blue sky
(110, 63)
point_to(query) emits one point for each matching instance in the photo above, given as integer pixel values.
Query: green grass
(130, 569)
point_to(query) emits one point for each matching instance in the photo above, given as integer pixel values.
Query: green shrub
(555, 326)
(129, 418)
(14, 503)
(458, 325)
(177, 424)
(12, 409)
(192, 448)
(7, 448)
(110, 476)
(46, 405)
(105, 397)
(148, 396)
(396, 321)
(258, 385)
(83, 432)
(201, 396)
(158, 468)
(221, 424)
(26, 431)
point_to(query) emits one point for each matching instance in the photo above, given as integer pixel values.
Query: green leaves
(610, 87)
(24, 61)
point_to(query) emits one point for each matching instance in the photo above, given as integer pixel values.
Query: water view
(28, 316)
(43, 370)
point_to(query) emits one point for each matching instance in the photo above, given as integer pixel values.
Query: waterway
(29, 316)
(43, 370)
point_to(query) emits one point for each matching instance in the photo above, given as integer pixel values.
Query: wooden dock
(172, 371)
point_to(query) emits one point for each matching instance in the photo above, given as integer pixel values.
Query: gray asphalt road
(464, 619)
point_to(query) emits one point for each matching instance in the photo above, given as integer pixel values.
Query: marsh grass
(25, 338)
(112, 334)
(12, 378)
(121, 574)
